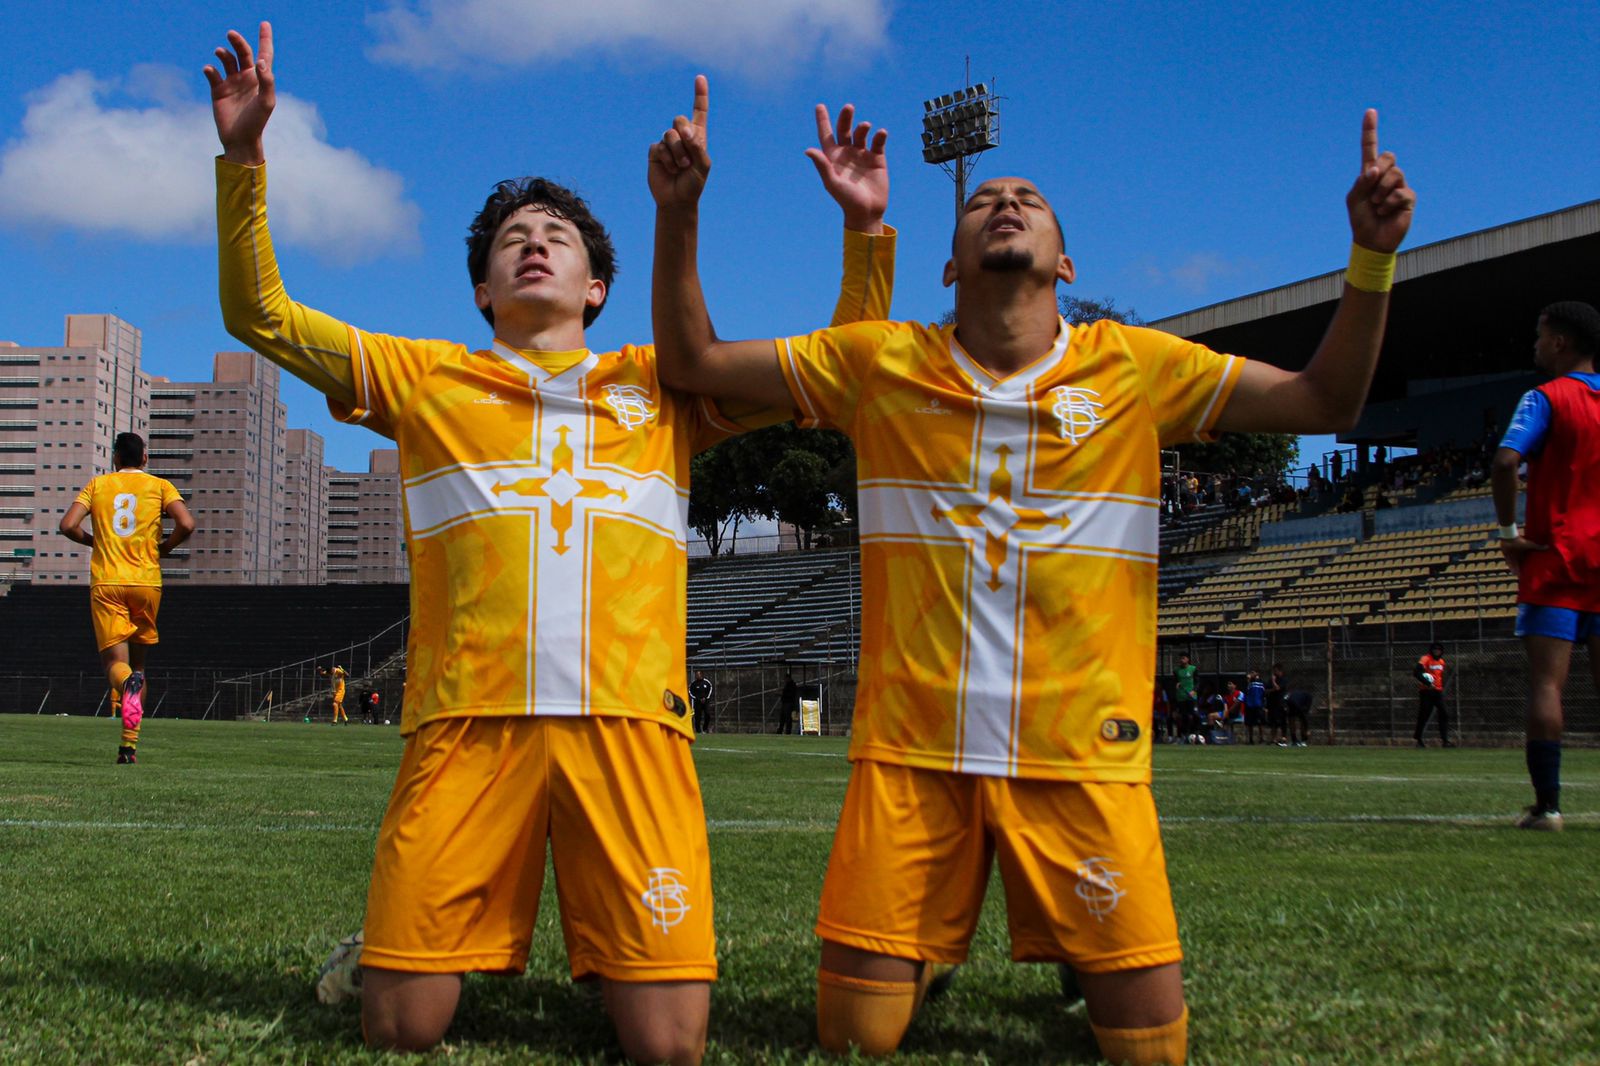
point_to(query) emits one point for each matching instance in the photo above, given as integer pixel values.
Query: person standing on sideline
(337, 694)
(788, 704)
(700, 699)
(1556, 431)
(1184, 685)
(1255, 703)
(1277, 705)
(126, 547)
(1429, 672)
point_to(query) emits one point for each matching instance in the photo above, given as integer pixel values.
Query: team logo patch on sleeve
(1119, 729)
(674, 703)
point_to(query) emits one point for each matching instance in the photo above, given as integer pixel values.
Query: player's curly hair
(1578, 322)
(511, 196)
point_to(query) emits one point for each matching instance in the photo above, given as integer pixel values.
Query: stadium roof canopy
(1462, 308)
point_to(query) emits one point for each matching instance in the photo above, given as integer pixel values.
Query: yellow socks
(870, 1015)
(1166, 1045)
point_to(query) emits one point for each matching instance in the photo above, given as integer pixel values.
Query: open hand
(679, 162)
(852, 166)
(1380, 202)
(242, 101)
(1517, 549)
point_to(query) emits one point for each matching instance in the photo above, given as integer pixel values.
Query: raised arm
(689, 354)
(255, 307)
(1327, 396)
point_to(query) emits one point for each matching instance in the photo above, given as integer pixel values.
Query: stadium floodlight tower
(957, 127)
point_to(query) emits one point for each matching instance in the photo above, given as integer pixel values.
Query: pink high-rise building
(366, 530)
(303, 538)
(60, 410)
(222, 443)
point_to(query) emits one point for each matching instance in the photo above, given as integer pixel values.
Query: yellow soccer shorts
(461, 851)
(1084, 874)
(124, 613)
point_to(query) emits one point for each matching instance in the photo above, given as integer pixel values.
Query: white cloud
(753, 35)
(1195, 274)
(141, 167)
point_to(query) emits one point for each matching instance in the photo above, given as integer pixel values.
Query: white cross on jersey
(1001, 516)
(562, 491)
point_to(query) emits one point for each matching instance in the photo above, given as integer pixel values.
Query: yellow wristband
(1370, 271)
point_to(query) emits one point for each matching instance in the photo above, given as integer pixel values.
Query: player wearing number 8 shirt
(126, 508)
(1009, 491)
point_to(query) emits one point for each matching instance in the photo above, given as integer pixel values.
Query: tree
(1242, 454)
(1079, 311)
(803, 477)
(717, 498)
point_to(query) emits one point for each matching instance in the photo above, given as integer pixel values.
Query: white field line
(1168, 771)
(760, 751)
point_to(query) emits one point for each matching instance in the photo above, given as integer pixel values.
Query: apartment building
(303, 536)
(60, 410)
(222, 443)
(366, 526)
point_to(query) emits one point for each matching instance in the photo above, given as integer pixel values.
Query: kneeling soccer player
(546, 495)
(126, 547)
(1009, 473)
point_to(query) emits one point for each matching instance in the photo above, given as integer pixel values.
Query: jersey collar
(1013, 386)
(538, 376)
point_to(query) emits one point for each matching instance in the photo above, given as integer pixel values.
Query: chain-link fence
(298, 690)
(1364, 691)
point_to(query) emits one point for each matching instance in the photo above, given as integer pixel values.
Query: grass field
(1338, 905)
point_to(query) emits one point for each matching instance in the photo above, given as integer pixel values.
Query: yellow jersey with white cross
(545, 493)
(125, 509)
(1008, 538)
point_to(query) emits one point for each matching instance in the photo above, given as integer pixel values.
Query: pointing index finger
(1369, 140)
(702, 101)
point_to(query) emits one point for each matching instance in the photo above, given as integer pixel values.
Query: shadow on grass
(547, 1016)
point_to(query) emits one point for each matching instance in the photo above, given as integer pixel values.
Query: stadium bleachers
(790, 606)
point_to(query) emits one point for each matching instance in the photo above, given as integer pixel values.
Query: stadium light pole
(957, 127)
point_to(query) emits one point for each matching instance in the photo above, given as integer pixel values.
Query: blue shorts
(1562, 623)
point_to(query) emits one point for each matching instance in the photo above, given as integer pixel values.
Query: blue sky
(1194, 152)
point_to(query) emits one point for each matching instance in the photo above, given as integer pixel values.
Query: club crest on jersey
(631, 405)
(1077, 412)
(665, 898)
(1097, 886)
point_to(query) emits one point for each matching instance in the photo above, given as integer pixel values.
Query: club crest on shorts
(1097, 886)
(1077, 412)
(1119, 729)
(664, 897)
(630, 403)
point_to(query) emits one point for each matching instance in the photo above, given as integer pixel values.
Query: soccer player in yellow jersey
(126, 508)
(546, 496)
(1009, 484)
(337, 673)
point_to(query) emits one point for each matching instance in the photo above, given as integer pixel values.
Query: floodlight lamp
(927, 105)
(983, 89)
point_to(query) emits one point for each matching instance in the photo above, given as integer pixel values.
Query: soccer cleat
(1534, 818)
(126, 754)
(340, 977)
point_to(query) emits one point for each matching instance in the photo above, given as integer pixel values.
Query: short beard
(1007, 261)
